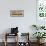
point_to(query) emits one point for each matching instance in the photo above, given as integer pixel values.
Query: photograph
(17, 13)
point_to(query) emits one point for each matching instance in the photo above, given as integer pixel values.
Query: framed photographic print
(41, 8)
(17, 13)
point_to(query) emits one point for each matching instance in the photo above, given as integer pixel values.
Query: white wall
(24, 23)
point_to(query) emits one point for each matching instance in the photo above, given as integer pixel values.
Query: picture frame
(41, 12)
(16, 13)
(41, 8)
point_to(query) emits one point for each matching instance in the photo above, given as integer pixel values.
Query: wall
(24, 23)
